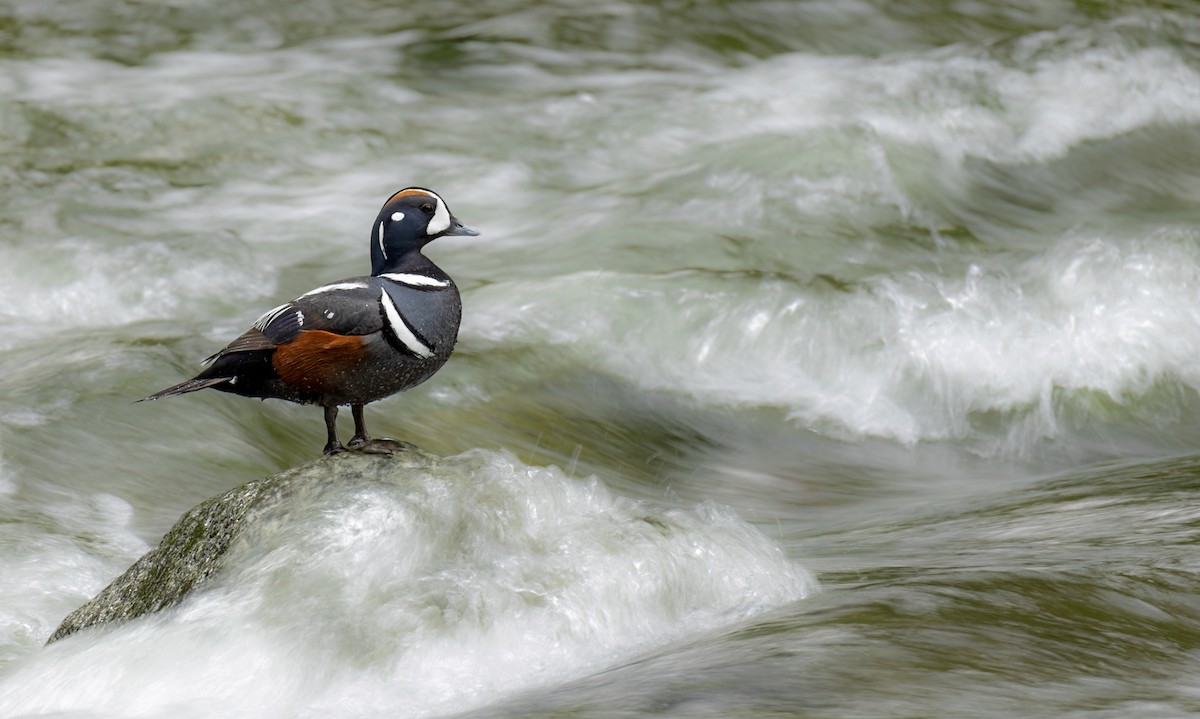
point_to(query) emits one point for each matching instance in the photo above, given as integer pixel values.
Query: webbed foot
(374, 446)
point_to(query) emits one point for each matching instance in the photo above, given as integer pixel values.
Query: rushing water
(818, 358)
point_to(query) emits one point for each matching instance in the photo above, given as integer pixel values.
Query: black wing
(349, 307)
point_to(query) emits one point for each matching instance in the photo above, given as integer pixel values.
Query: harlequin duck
(356, 340)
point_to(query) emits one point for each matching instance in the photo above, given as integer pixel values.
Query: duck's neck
(409, 262)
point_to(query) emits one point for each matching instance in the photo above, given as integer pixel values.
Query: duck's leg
(360, 427)
(362, 442)
(333, 446)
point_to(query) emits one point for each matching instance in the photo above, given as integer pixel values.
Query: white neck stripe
(401, 329)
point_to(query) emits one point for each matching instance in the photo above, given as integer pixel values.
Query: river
(819, 359)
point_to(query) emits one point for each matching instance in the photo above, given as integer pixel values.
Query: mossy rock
(194, 550)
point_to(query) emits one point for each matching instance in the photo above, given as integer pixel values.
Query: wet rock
(193, 551)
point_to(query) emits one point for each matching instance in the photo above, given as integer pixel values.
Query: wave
(474, 580)
(1091, 325)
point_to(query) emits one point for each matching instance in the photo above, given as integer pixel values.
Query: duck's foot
(374, 446)
(332, 446)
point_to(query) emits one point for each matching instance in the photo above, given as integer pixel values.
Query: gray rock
(194, 550)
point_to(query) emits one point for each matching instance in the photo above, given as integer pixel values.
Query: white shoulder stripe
(405, 278)
(401, 328)
(335, 287)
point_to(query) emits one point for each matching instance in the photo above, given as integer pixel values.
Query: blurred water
(908, 291)
(467, 582)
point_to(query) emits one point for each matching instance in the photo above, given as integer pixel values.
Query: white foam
(485, 578)
(173, 78)
(91, 285)
(1032, 101)
(58, 552)
(865, 139)
(910, 355)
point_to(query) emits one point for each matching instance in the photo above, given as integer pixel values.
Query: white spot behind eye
(397, 216)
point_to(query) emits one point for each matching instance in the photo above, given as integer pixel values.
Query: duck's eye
(427, 208)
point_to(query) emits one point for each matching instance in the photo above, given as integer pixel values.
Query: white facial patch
(441, 218)
(397, 216)
(405, 278)
(401, 329)
(381, 241)
(336, 286)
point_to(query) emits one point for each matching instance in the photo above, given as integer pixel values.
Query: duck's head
(408, 221)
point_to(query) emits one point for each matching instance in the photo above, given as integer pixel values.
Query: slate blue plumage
(357, 340)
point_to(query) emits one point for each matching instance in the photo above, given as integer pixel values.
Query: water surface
(889, 313)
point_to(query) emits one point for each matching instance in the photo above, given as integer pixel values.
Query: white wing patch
(411, 280)
(401, 329)
(335, 287)
(270, 316)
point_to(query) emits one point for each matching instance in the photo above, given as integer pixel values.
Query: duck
(356, 340)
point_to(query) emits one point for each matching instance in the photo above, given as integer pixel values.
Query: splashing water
(903, 298)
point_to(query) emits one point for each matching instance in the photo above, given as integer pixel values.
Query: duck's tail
(189, 386)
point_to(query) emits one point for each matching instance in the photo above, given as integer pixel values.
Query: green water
(910, 288)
